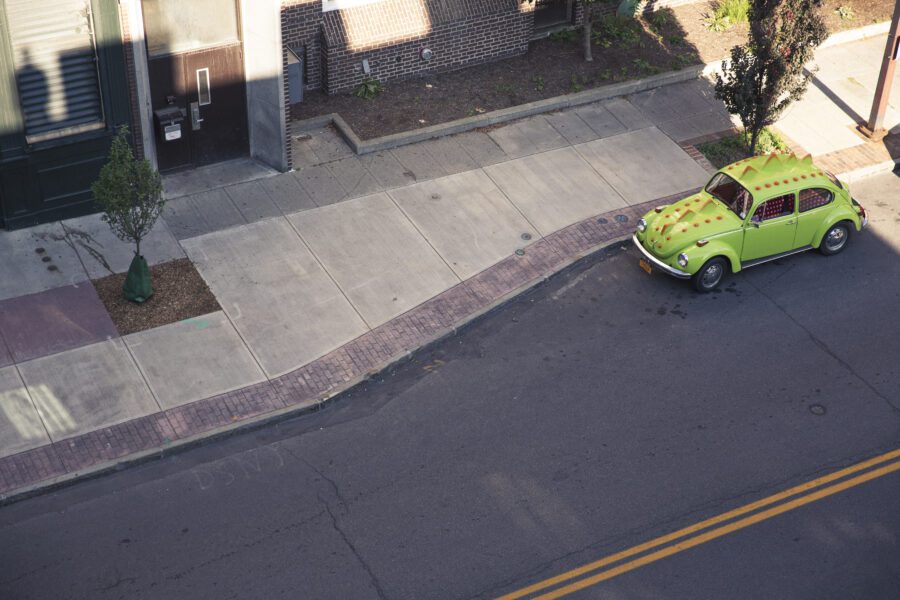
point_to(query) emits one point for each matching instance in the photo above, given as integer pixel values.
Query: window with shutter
(56, 65)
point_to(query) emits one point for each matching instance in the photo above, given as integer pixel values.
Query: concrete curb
(854, 35)
(259, 421)
(868, 170)
(503, 115)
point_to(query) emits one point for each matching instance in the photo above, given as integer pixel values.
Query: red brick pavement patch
(26, 468)
(308, 385)
(224, 409)
(113, 442)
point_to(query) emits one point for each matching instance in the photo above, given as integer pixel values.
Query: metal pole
(874, 128)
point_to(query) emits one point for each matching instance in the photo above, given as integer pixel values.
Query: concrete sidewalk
(323, 275)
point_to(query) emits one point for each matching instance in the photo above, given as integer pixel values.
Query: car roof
(772, 172)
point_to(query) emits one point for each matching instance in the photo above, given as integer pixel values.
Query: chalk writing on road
(240, 467)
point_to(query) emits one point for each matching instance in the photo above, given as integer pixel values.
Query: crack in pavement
(827, 350)
(334, 523)
(175, 576)
(330, 481)
(345, 510)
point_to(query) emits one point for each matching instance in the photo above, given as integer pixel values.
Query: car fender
(841, 214)
(699, 255)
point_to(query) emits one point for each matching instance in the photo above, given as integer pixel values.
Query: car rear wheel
(835, 239)
(710, 274)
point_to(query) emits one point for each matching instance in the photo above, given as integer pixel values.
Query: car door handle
(791, 222)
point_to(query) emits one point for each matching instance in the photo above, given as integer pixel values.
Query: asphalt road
(600, 411)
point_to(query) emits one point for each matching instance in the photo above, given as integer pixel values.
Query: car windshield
(731, 193)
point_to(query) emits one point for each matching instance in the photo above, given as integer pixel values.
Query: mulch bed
(179, 293)
(553, 67)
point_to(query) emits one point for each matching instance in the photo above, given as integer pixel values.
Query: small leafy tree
(130, 193)
(767, 73)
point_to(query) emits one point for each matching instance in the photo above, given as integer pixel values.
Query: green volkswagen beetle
(750, 212)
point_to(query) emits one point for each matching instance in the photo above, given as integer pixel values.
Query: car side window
(814, 198)
(774, 208)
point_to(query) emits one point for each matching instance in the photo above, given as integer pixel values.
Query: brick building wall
(301, 25)
(391, 34)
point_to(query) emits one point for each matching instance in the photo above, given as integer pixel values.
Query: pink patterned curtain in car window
(814, 198)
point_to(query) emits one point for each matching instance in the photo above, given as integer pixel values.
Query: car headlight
(642, 225)
(683, 259)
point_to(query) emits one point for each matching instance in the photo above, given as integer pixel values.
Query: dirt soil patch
(179, 293)
(663, 41)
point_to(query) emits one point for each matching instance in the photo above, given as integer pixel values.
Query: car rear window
(814, 198)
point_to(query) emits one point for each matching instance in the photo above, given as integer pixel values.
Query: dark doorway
(196, 64)
(552, 13)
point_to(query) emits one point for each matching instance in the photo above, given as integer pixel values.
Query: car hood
(681, 224)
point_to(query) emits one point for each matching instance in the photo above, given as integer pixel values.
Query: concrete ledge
(854, 35)
(863, 172)
(496, 117)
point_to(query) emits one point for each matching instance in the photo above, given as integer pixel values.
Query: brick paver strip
(224, 409)
(26, 468)
(113, 442)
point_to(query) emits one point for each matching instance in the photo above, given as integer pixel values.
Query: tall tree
(768, 73)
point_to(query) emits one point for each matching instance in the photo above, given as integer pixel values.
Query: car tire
(710, 275)
(835, 239)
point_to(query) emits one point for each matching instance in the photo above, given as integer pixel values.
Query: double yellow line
(808, 492)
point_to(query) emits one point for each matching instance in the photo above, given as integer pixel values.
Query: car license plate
(646, 266)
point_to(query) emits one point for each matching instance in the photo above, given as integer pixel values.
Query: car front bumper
(658, 263)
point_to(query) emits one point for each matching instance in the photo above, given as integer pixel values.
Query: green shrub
(617, 30)
(658, 20)
(574, 85)
(727, 14)
(564, 35)
(368, 89)
(733, 148)
(845, 13)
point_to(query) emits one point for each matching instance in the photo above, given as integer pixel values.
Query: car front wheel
(835, 239)
(710, 274)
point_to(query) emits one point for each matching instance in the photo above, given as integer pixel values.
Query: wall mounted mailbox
(168, 122)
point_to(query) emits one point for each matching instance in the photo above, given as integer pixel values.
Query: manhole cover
(520, 252)
(621, 218)
(602, 221)
(526, 236)
(817, 409)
